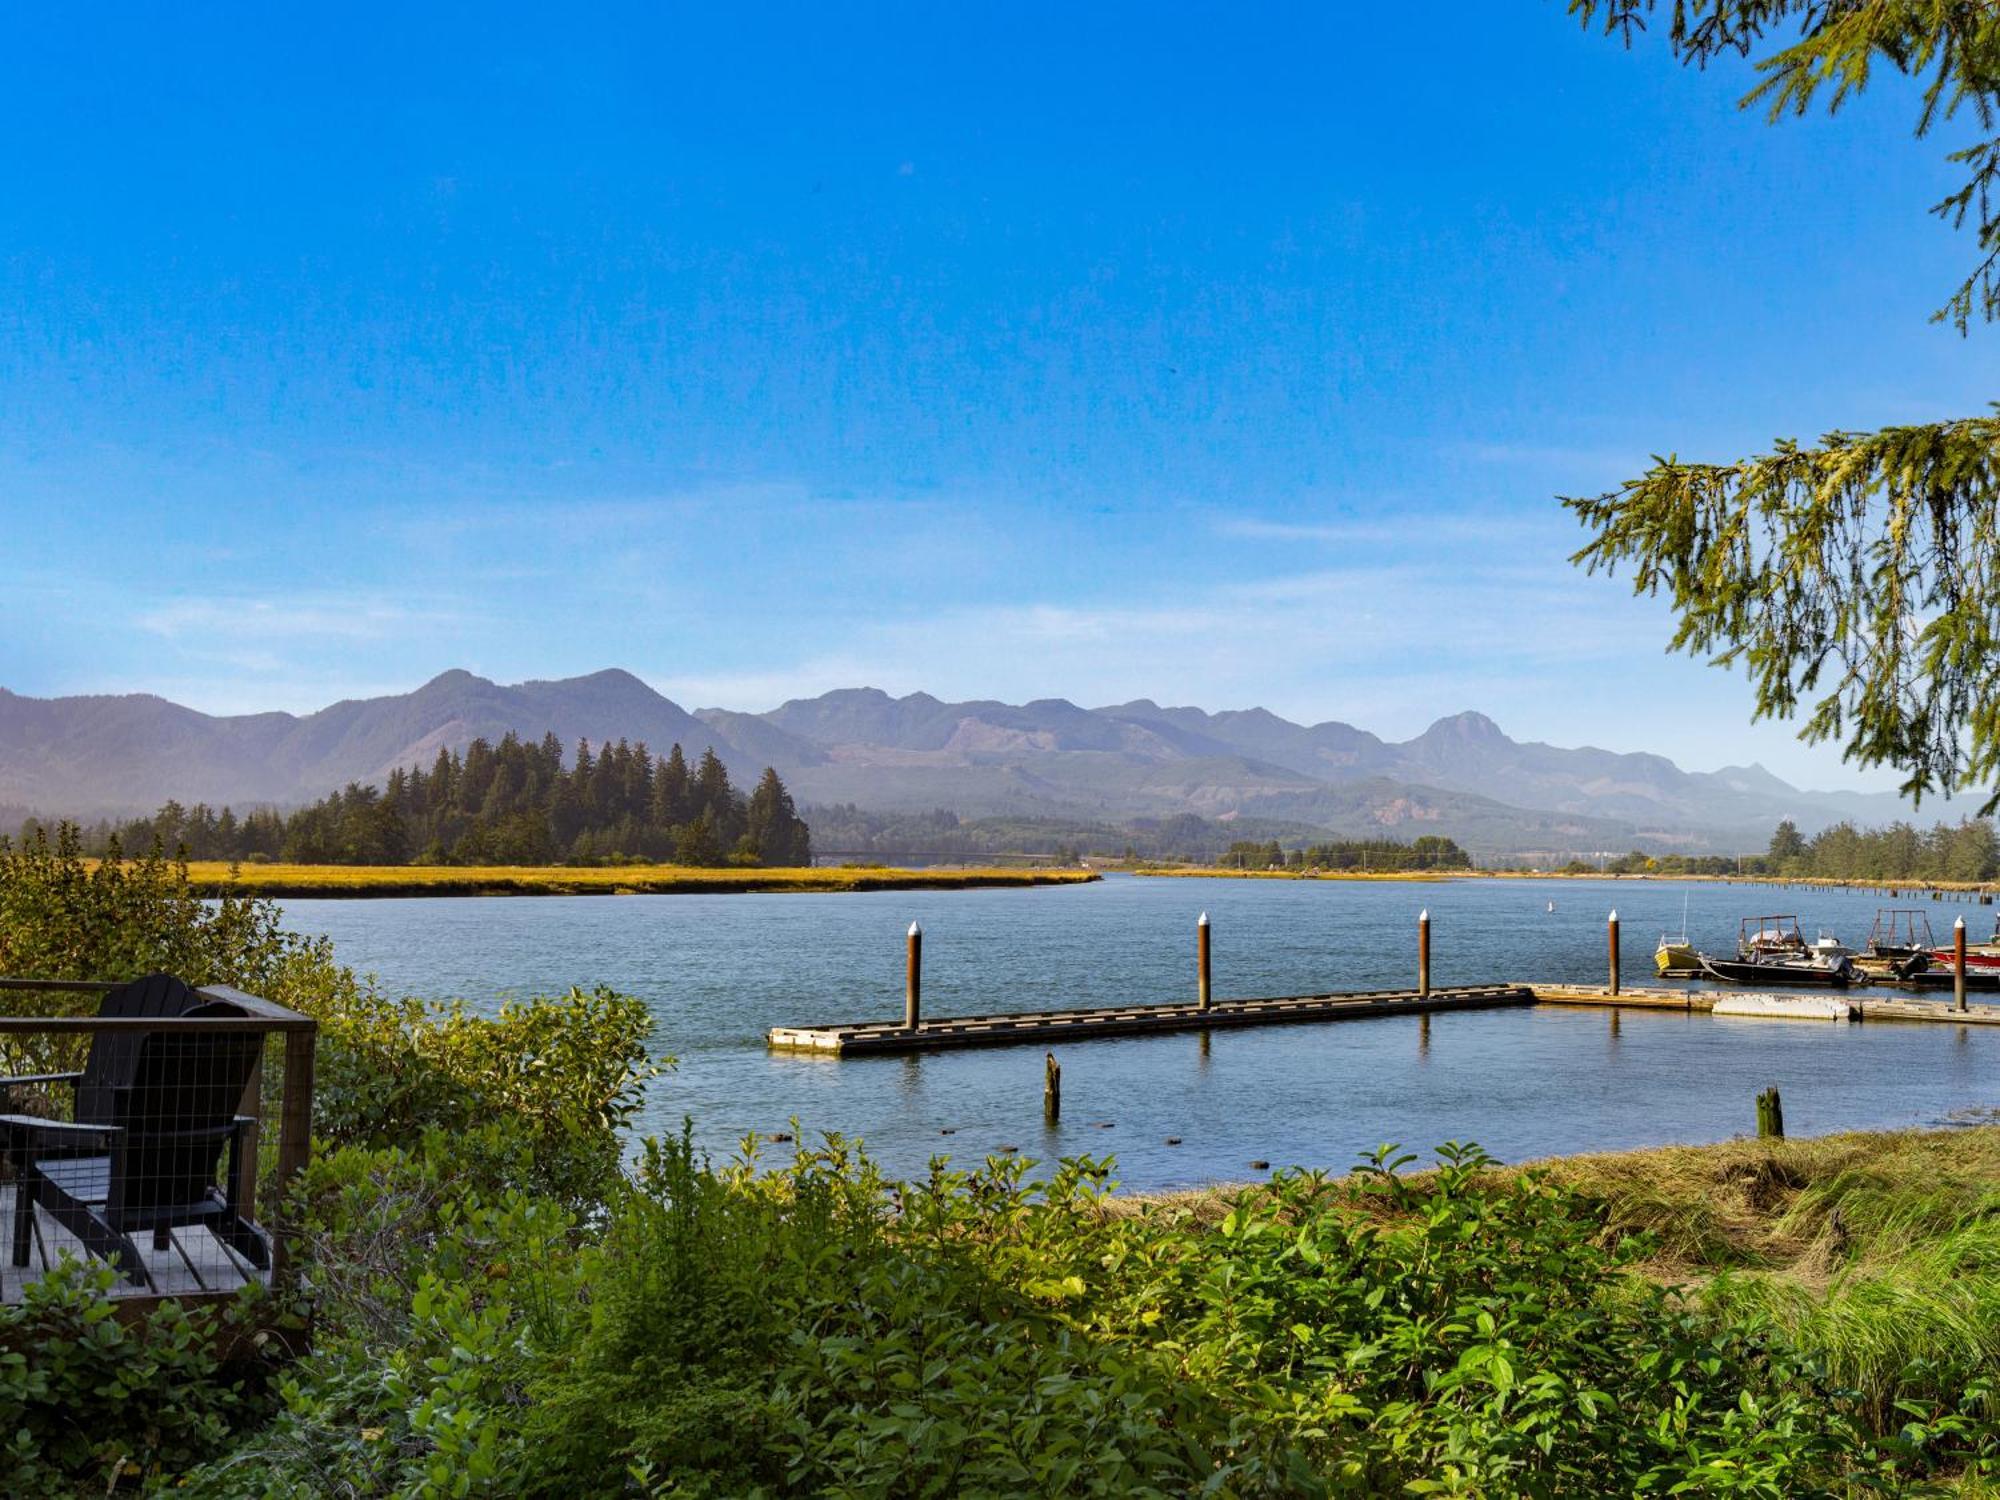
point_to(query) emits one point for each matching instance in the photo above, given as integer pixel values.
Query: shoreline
(1912, 888)
(363, 882)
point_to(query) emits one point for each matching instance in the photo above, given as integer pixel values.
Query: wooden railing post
(295, 1122)
(252, 1109)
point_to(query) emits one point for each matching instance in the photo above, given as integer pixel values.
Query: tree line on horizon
(1428, 852)
(1966, 851)
(511, 803)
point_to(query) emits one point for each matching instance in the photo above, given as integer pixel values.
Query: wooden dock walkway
(876, 1038)
(869, 1038)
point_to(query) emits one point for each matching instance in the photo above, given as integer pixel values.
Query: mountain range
(1462, 777)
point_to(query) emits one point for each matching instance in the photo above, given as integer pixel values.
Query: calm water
(719, 970)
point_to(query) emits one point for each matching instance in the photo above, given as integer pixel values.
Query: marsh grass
(280, 880)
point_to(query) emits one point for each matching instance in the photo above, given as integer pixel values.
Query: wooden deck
(865, 1038)
(196, 1265)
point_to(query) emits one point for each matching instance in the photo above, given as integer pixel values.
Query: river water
(719, 970)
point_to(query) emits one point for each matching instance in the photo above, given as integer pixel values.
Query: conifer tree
(773, 831)
(1858, 579)
(671, 791)
(697, 843)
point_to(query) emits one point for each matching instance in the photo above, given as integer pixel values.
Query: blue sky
(1218, 356)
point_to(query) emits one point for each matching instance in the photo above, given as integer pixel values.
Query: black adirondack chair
(151, 1164)
(112, 1055)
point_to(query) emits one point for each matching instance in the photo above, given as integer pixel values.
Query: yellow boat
(1676, 960)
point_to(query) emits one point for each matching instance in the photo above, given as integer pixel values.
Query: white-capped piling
(1202, 993)
(1611, 932)
(1958, 963)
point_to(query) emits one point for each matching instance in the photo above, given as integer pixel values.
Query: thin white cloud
(325, 618)
(1430, 529)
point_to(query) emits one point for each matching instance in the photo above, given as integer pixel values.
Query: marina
(1577, 1070)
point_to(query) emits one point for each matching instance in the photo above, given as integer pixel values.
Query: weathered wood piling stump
(1770, 1115)
(1051, 1088)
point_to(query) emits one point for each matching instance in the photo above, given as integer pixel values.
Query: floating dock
(877, 1038)
(868, 1038)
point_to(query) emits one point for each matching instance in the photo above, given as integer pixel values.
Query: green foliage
(1865, 571)
(1860, 574)
(819, 1330)
(1951, 46)
(90, 1400)
(1429, 852)
(63, 918)
(569, 1071)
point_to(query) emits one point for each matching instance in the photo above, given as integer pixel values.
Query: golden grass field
(621, 880)
(1217, 872)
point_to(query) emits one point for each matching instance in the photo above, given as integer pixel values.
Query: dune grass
(620, 880)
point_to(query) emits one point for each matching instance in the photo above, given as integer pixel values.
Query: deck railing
(258, 1163)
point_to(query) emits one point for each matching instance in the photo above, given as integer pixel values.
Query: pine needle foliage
(1862, 575)
(1856, 579)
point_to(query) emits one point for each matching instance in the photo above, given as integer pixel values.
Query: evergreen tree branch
(1950, 47)
(1861, 577)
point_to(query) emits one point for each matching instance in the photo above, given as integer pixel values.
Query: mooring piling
(1770, 1115)
(1201, 989)
(1958, 963)
(1612, 928)
(1424, 954)
(1051, 1088)
(913, 984)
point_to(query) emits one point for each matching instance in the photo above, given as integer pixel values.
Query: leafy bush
(819, 1330)
(65, 917)
(90, 1399)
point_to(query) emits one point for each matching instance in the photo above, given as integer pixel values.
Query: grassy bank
(615, 880)
(1218, 872)
(1875, 1254)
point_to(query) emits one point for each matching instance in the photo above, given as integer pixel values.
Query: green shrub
(818, 1330)
(91, 1400)
(571, 1070)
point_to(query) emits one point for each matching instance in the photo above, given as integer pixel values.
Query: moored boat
(1774, 952)
(1982, 957)
(1899, 944)
(1678, 958)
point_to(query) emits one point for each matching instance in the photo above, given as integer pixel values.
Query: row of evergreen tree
(1429, 852)
(514, 803)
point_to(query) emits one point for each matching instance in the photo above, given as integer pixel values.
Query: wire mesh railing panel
(145, 1159)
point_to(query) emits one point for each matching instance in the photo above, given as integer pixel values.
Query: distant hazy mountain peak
(1469, 725)
(452, 677)
(1048, 757)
